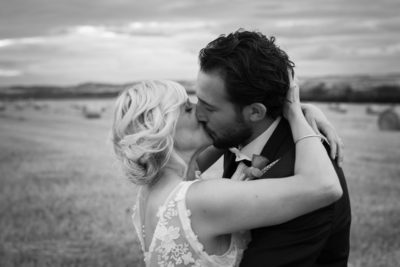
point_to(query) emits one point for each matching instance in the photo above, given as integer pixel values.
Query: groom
(242, 85)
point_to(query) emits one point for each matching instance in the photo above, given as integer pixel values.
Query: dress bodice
(174, 242)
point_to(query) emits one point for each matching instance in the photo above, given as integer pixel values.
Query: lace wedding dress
(174, 243)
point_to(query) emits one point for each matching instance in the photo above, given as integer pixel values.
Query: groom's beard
(230, 137)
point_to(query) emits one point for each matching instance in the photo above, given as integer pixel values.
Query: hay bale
(373, 110)
(337, 107)
(38, 106)
(77, 106)
(332, 106)
(92, 112)
(341, 108)
(389, 120)
(20, 106)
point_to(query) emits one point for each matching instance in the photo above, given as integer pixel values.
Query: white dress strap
(181, 195)
(137, 221)
(184, 216)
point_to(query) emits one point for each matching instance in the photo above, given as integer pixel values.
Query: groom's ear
(254, 112)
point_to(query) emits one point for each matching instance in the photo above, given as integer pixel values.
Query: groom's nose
(201, 117)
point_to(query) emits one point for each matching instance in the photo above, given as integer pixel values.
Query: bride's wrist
(294, 115)
(299, 125)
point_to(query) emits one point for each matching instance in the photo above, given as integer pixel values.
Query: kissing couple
(283, 200)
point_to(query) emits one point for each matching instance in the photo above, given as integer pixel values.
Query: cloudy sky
(74, 41)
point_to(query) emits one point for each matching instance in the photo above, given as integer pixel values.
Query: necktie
(238, 173)
(233, 158)
(236, 158)
(245, 161)
(240, 157)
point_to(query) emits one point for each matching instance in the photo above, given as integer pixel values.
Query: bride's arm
(321, 125)
(223, 206)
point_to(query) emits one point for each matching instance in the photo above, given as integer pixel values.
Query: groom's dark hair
(253, 67)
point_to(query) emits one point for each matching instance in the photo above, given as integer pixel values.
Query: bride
(157, 138)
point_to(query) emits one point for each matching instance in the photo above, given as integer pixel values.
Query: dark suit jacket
(319, 238)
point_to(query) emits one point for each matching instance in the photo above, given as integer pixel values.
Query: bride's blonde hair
(145, 118)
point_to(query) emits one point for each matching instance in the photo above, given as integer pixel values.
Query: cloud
(165, 28)
(110, 54)
(21, 41)
(74, 41)
(10, 73)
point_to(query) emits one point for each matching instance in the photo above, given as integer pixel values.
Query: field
(64, 201)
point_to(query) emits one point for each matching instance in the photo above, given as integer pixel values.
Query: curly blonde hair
(144, 123)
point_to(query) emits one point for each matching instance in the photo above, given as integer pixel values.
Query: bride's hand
(292, 105)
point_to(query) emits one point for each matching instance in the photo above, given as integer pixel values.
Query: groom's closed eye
(207, 106)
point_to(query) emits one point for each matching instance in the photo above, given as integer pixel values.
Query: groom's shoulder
(283, 134)
(281, 141)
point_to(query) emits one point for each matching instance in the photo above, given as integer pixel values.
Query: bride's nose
(194, 113)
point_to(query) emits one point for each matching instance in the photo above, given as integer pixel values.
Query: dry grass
(64, 201)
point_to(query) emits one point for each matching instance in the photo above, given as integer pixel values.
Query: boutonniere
(259, 166)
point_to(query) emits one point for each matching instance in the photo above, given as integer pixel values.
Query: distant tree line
(319, 92)
(345, 93)
(91, 90)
